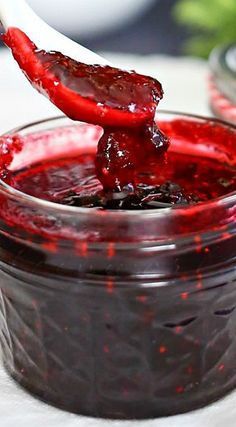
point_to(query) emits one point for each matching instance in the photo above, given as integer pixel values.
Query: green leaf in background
(212, 22)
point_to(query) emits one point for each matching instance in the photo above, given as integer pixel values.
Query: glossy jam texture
(132, 150)
(190, 172)
(9, 146)
(122, 154)
(105, 85)
(115, 99)
(95, 94)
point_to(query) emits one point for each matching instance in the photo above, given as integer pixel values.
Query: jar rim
(169, 211)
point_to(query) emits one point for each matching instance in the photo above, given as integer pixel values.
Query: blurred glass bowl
(223, 82)
(88, 17)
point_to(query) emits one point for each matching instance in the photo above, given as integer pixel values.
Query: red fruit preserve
(113, 313)
(117, 246)
(123, 102)
(188, 174)
(96, 94)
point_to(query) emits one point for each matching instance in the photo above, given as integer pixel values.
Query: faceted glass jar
(111, 313)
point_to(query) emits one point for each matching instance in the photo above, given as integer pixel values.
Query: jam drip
(121, 154)
(100, 95)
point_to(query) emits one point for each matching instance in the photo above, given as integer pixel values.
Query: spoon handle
(17, 13)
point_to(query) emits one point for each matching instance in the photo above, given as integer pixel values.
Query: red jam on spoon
(100, 95)
(96, 94)
(133, 163)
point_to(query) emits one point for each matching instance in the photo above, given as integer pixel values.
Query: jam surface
(190, 173)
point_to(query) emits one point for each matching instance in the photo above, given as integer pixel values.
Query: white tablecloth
(184, 81)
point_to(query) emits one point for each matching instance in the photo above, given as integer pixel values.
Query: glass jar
(111, 313)
(222, 83)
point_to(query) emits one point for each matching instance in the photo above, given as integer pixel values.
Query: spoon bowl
(61, 70)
